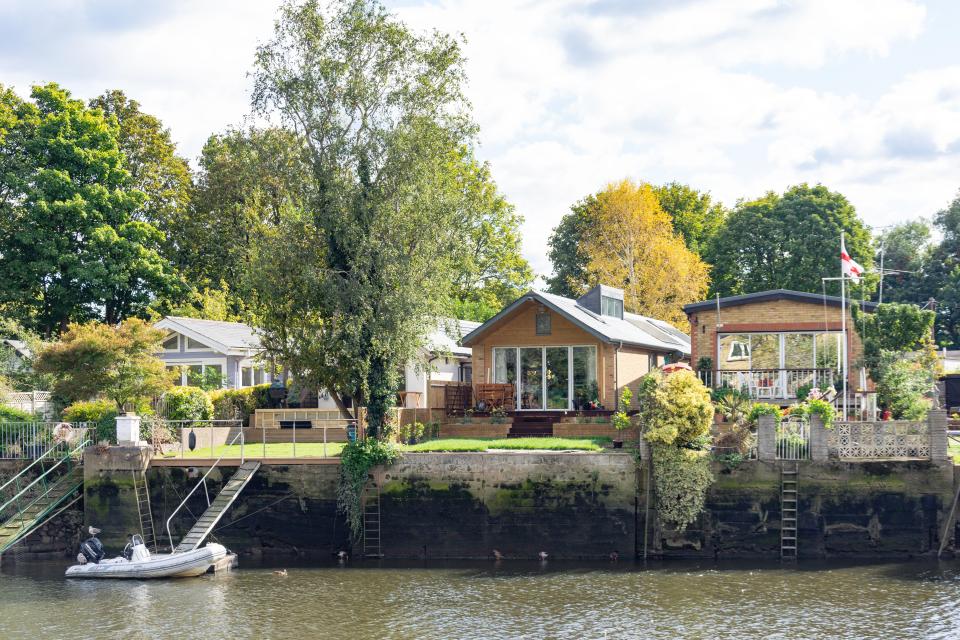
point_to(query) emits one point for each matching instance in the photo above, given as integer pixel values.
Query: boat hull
(176, 565)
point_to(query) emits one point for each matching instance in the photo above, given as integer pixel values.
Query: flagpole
(843, 329)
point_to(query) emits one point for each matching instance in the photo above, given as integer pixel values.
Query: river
(512, 599)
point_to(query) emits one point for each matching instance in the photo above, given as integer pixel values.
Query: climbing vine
(356, 460)
(683, 478)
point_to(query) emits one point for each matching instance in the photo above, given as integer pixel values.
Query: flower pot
(618, 444)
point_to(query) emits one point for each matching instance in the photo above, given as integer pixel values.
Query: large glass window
(798, 350)
(829, 350)
(558, 377)
(765, 351)
(172, 343)
(531, 378)
(734, 352)
(246, 376)
(585, 389)
(505, 365)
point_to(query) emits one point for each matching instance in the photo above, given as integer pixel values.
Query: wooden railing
(769, 383)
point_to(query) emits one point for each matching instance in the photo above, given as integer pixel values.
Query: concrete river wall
(571, 505)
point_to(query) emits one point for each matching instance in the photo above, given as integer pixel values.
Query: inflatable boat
(138, 563)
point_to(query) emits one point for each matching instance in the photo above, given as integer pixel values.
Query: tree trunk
(381, 397)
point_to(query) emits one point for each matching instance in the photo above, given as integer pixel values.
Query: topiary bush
(675, 408)
(102, 412)
(187, 403)
(239, 403)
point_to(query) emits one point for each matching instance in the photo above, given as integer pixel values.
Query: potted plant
(620, 419)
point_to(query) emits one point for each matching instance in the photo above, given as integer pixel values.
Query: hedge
(10, 414)
(187, 403)
(239, 403)
(102, 412)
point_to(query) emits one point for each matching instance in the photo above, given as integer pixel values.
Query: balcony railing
(769, 384)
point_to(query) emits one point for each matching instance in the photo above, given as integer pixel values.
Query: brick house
(771, 343)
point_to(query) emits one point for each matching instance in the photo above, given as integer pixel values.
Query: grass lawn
(255, 450)
(953, 450)
(489, 444)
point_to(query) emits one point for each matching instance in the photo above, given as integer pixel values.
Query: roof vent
(603, 300)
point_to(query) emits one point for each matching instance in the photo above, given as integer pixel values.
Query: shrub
(675, 409)
(102, 412)
(187, 403)
(239, 403)
(10, 414)
(764, 409)
(903, 384)
(682, 478)
(356, 460)
(817, 407)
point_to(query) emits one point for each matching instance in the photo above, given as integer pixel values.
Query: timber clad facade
(562, 354)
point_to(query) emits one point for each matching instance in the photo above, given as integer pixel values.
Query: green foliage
(704, 363)
(816, 407)
(229, 404)
(682, 480)
(903, 385)
(907, 249)
(72, 244)
(412, 433)
(12, 414)
(675, 409)
(696, 218)
(787, 242)
(16, 370)
(356, 461)
(892, 327)
(97, 360)
(620, 419)
(764, 409)
(368, 264)
(187, 403)
(101, 412)
(730, 461)
(209, 379)
(566, 254)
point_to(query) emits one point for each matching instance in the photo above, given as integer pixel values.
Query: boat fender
(192, 440)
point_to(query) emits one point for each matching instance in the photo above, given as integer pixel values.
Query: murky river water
(481, 600)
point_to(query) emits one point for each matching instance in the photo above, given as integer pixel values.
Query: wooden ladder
(144, 512)
(788, 510)
(371, 519)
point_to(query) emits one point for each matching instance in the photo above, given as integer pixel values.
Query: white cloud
(571, 94)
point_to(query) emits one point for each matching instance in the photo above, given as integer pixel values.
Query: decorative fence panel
(30, 401)
(891, 439)
(793, 439)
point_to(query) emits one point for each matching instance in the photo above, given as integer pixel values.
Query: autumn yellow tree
(632, 245)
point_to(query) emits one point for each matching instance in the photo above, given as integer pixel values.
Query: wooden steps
(535, 426)
(227, 496)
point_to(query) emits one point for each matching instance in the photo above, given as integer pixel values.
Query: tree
(942, 278)
(696, 218)
(99, 360)
(906, 248)
(16, 371)
(788, 242)
(150, 156)
(566, 253)
(71, 247)
(632, 246)
(490, 269)
(247, 179)
(381, 113)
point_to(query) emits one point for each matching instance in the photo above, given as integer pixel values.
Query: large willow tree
(349, 284)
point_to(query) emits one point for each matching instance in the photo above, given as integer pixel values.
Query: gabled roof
(233, 338)
(633, 330)
(19, 346)
(775, 294)
(449, 335)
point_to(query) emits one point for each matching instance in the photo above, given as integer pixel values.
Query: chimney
(603, 300)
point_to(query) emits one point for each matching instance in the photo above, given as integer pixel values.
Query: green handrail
(42, 478)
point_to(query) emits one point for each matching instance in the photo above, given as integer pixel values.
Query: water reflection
(509, 599)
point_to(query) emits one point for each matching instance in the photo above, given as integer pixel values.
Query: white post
(128, 429)
(843, 325)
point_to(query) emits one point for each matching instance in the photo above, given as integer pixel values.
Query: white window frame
(188, 349)
(781, 338)
(176, 349)
(203, 364)
(543, 371)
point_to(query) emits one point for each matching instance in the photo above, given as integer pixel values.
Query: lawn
(255, 450)
(953, 450)
(492, 444)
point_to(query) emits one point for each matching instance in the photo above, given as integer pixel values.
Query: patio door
(558, 378)
(531, 378)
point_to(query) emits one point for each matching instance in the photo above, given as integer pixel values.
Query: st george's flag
(848, 265)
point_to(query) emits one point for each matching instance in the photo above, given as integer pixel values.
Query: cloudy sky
(735, 97)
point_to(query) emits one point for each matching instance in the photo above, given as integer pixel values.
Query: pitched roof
(218, 335)
(448, 336)
(775, 294)
(19, 346)
(634, 329)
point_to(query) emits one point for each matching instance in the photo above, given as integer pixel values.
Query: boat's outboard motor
(92, 548)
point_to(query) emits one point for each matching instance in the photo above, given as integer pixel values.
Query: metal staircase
(371, 519)
(215, 509)
(788, 510)
(144, 512)
(31, 502)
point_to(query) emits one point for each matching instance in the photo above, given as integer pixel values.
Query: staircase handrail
(203, 481)
(43, 475)
(56, 447)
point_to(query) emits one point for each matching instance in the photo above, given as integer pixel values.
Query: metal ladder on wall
(789, 475)
(144, 512)
(371, 519)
